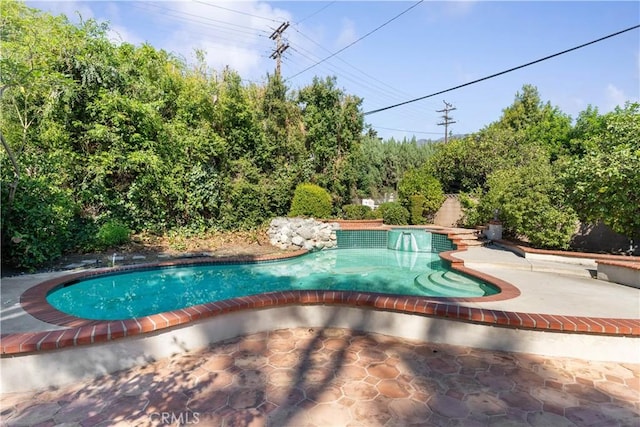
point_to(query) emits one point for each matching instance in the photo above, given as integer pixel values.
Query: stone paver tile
(618, 391)
(336, 344)
(486, 404)
(248, 360)
(287, 416)
(409, 411)
(245, 418)
(245, 398)
(316, 376)
(495, 382)
(217, 363)
(359, 390)
(374, 380)
(626, 415)
(330, 393)
(555, 401)
(35, 414)
(284, 360)
(353, 373)
(250, 378)
(448, 406)
(285, 396)
(281, 377)
(370, 413)
(208, 400)
(393, 389)
(547, 419)
(443, 365)
(584, 416)
(427, 385)
(328, 414)
(383, 371)
(521, 400)
(126, 406)
(584, 392)
(371, 355)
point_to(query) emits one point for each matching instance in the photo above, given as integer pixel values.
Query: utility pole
(447, 120)
(280, 47)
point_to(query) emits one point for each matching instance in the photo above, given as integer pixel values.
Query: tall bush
(393, 213)
(311, 200)
(357, 212)
(38, 228)
(531, 204)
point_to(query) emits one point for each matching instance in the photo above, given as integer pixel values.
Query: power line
(315, 13)
(503, 72)
(207, 21)
(407, 130)
(235, 11)
(361, 38)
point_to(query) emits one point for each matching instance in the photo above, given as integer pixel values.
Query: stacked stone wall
(306, 233)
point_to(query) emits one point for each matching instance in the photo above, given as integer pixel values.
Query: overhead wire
(358, 40)
(315, 13)
(207, 21)
(407, 130)
(504, 72)
(236, 11)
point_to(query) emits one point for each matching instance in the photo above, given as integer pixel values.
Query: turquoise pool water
(149, 291)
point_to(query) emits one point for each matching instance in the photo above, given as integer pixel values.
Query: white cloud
(238, 38)
(347, 34)
(118, 34)
(458, 8)
(614, 97)
(74, 10)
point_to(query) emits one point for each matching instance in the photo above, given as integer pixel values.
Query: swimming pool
(124, 295)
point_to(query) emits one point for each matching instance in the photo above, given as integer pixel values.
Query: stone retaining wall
(305, 233)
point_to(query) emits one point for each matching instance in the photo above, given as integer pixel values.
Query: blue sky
(432, 47)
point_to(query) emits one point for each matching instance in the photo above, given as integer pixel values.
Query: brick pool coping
(84, 331)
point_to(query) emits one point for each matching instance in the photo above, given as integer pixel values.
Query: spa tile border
(83, 331)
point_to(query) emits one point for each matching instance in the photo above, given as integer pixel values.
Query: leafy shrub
(393, 213)
(419, 182)
(531, 204)
(357, 212)
(311, 200)
(417, 209)
(37, 226)
(469, 203)
(112, 233)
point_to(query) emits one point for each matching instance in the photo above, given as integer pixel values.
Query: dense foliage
(311, 200)
(101, 140)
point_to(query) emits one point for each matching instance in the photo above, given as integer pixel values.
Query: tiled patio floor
(336, 377)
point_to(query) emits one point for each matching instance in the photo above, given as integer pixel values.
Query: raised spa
(406, 266)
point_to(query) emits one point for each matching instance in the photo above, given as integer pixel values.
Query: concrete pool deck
(390, 381)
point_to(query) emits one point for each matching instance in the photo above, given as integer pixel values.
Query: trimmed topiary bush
(311, 200)
(393, 213)
(357, 212)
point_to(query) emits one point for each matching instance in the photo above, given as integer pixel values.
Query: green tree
(333, 126)
(420, 183)
(531, 205)
(603, 183)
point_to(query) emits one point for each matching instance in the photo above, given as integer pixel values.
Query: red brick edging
(83, 331)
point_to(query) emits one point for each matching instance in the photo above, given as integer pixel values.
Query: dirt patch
(145, 248)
